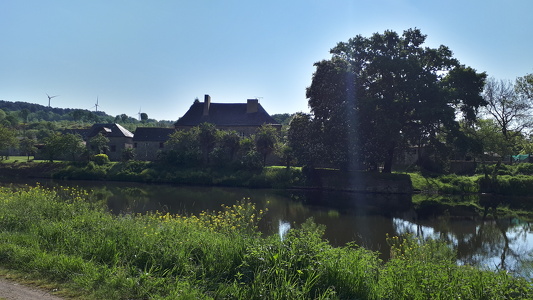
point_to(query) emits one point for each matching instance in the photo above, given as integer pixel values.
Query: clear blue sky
(158, 56)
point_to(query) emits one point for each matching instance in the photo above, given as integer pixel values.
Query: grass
(66, 237)
(19, 159)
(139, 171)
(445, 184)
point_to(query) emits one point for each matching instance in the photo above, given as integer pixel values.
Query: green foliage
(524, 169)
(183, 148)
(517, 185)
(128, 154)
(207, 146)
(100, 159)
(427, 270)
(510, 108)
(64, 235)
(99, 143)
(63, 146)
(283, 119)
(7, 138)
(504, 169)
(266, 139)
(445, 184)
(270, 177)
(378, 94)
(251, 160)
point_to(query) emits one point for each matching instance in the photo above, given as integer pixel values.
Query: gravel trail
(12, 290)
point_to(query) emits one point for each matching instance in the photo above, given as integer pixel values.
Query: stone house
(149, 141)
(244, 118)
(119, 138)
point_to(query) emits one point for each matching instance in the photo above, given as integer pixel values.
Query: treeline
(30, 112)
(16, 114)
(24, 125)
(205, 145)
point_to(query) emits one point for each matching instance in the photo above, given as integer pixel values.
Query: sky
(157, 56)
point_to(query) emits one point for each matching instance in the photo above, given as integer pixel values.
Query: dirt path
(12, 290)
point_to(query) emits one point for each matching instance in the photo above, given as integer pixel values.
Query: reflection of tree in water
(489, 240)
(120, 200)
(497, 238)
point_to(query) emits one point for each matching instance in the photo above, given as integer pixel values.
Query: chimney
(251, 106)
(207, 103)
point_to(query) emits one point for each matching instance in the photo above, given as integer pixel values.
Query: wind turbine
(139, 113)
(49, 98)
(96, 105)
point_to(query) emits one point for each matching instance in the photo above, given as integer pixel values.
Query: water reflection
(479, 235)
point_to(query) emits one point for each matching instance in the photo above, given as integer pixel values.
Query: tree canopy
(379, 94)
(509, 106)
(7, 138)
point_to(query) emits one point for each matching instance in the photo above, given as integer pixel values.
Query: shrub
(252, 161)
(524, 169)
(519, 185)
(101, 159)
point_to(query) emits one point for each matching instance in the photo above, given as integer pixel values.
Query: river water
(488, 241)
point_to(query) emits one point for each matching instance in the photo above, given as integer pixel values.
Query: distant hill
(30, 112)
(282, 119)
(32, 108)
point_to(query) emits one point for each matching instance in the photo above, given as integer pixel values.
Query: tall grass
(66, 237)
(445, 184)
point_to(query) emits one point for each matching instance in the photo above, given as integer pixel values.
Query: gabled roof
(152, 134)
(110, 130)
(225, 114)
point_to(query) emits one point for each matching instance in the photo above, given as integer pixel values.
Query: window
(134, 145)
(161, 145)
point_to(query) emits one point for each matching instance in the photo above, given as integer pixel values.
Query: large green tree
(99, 143)
(266, 138)
(66, 146)
(27, 146)
(207, 137)
(379, 94)
(183, 148)
(7, 138)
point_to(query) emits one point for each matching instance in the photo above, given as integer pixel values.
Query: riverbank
(67, 237)
(268, 177)
(506, 180)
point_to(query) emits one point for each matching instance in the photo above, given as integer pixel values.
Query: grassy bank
(515, 180)
(67, 238)
(139, 171)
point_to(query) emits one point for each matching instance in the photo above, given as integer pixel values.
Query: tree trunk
(387, 166)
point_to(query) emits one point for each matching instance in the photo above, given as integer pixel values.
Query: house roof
(82, 132)
(110, 129)
(225, 114)
(152, 134)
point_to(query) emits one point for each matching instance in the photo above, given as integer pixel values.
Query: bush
(519, 185)
(252, 161)
(101, 159)
(524, 169)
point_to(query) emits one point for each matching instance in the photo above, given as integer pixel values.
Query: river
(488, 241)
